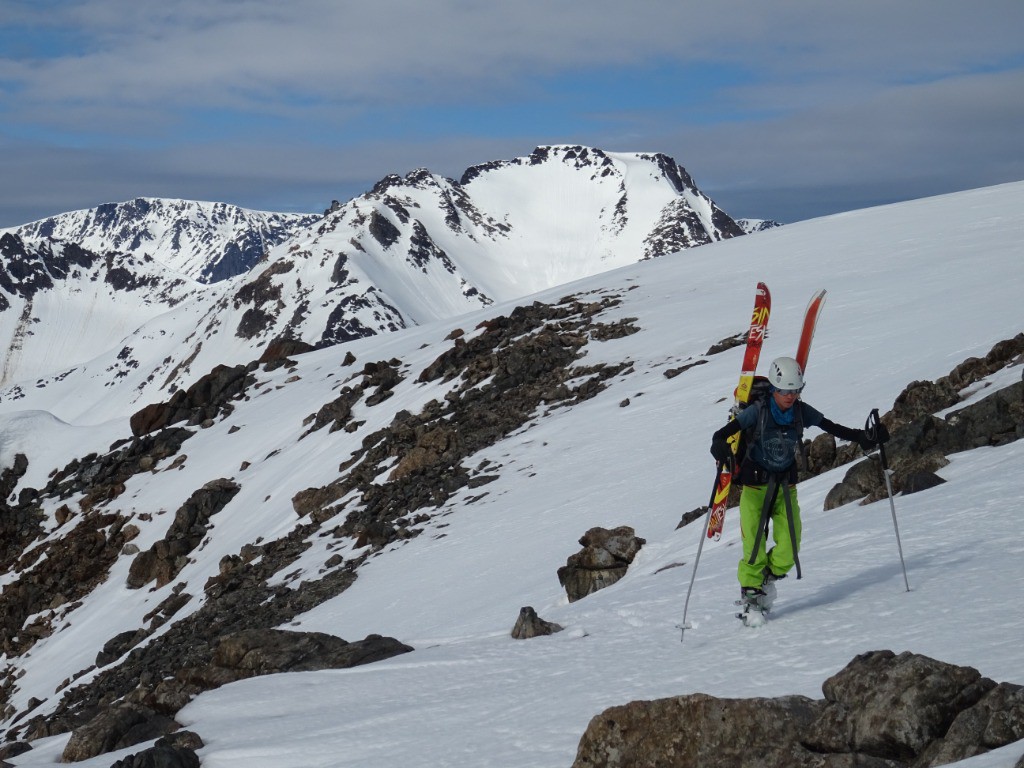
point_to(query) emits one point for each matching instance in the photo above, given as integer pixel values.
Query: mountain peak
(414, 249)
(205, 241)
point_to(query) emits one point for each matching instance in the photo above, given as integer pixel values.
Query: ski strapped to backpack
(755, 339)
(803, 348)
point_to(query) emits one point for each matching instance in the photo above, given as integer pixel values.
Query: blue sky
(784, 110)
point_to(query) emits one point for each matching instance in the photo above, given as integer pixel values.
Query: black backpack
(759, 393)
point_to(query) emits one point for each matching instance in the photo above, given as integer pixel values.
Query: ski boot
(769, 589)
(753, 614)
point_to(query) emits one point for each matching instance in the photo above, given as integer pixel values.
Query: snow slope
(914, 289)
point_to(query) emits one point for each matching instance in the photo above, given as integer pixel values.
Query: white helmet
(785, 373)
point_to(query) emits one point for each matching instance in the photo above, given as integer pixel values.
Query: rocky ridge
(206, 242)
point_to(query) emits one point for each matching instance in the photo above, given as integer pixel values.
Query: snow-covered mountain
(206, 242)
(74, 286)
(426, 485)
(62, 304)
(410, 251)
(750, 226)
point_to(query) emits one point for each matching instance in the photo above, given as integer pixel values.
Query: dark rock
(160, 756)
(726, 344)
(81, 559)
(671, 373)
(529, 624)
(699, 730)
(208, 398)
(920, 446)
(881, 711)
(689, 517)
(861, 480)
(383, 231)
(995, 721)
(166, 557)
(282, 349)
(10, 476)
(13, 749)
(118, 645)
(920, 481)
(255, 652)
(605, 556)
(115, 728)
(893, 706)
(821, 453)
(518, 364)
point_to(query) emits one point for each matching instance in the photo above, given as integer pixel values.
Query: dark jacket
(774, 447)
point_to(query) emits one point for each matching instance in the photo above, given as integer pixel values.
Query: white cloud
(247, 95)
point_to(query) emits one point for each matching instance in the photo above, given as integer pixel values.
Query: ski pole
(871, 428)
(703, 535)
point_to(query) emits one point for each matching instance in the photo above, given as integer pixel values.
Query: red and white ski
(755, 339)
(803, 349)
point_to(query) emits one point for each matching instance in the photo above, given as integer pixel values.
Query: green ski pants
(780, 558)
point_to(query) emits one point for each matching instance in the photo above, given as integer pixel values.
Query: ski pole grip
(871, 428)
(871, 423)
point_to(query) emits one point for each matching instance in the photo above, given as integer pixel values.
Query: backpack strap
(770, 494)
(792, 528)
(802, 460)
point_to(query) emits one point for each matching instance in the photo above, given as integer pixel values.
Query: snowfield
(913, 290)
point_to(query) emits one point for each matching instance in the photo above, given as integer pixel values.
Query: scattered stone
(529, 624)
(604, 559)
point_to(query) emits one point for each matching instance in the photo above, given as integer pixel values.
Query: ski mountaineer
(768, 473)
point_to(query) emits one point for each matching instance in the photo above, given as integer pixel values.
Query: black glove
(866, 441)
(721, 451)
(874, 437)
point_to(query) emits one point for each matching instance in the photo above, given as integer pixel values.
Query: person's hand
(871, 438)
(721, 451)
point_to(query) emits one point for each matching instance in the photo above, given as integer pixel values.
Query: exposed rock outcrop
(115, 728)
(174, 751)
(255, 652)
(206, 399)
(882, 711)
(919, 446)
(518, 365)
(604, 559)
(529, 624)
(163, 561)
